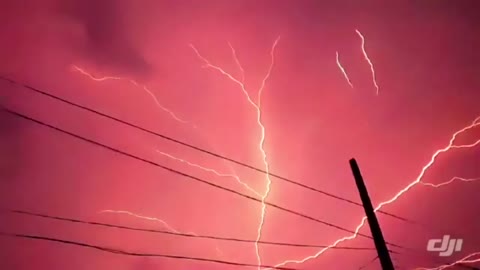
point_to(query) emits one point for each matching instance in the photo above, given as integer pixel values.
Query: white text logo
(445, 246)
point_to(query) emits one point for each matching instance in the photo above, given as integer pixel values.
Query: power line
(136, 254)
(191, 146)
(189, 235)
(188, 175)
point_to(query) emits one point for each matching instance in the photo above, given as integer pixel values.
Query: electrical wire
(176, 141)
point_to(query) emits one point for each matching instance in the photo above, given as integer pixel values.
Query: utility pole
(380, 244)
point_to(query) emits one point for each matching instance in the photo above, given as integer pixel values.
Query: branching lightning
(236, 177)
(234, 54)
(343, 69)
(456, 178)
(256, 106)
(164, 223)
(261, 146)
(372, 69)
(175, 117)
(465, 260)
(136, 84)
(264, 154)
(451, 145)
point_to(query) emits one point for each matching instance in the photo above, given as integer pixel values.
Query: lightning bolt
(264, 154)
(175, 117)
(456, 178)
(451, 145)
(164, 223)
(465, 260)
(136, 84)
(258, 110)
(236, 177)
(343, 70)
(237, 61)
(167, 226)
(372, 69)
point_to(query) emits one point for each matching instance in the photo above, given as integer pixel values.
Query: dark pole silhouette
(380, 244)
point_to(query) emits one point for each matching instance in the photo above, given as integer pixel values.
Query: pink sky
(425, 58)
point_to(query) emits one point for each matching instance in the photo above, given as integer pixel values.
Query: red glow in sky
(216, 75)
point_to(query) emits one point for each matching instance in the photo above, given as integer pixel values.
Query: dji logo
(445, 246)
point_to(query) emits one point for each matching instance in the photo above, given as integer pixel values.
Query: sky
(254, 81)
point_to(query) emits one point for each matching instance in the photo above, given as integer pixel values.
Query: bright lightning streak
(456, 178)
(143, 87)
(264, 81)
(234, 54)
(372, 69)
(261, 145)
(207, 64)
(264, 154)
(97, 79)
(236, 177)
(450, 146)
(464, 260)
(164, 223)
(343, 70)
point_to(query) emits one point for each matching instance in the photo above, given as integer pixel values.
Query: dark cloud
(101, 33)
(110, 41)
